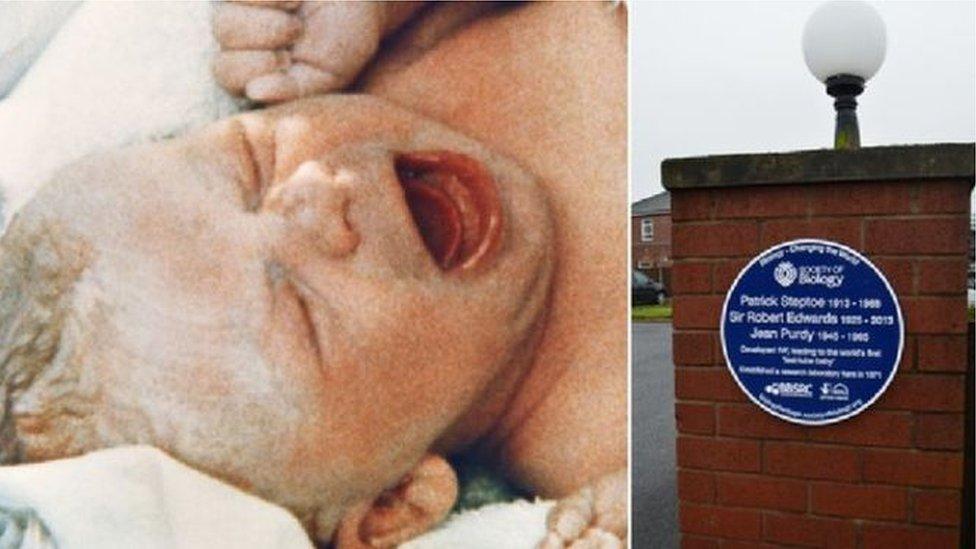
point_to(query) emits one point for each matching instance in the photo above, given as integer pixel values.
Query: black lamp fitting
(844, 88)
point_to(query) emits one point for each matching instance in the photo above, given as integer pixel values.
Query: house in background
(971, 277)
(650, 226)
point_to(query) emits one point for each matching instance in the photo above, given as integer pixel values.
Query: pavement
(654, 521)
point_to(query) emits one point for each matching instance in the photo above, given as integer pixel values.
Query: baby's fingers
(234, 69)
(241, 27)
(298, 81)
(277, 4)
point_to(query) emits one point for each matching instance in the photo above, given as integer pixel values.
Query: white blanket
(115, 73)
(138, 496)
(135, 496)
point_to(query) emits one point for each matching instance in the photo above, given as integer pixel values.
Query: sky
(729, 77)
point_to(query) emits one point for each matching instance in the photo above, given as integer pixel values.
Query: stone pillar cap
(899, 162)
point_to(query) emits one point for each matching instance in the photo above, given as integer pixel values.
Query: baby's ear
(421, 500)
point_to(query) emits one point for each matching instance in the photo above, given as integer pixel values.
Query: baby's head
(300, 301)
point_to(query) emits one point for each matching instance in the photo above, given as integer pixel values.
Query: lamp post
(844, 45)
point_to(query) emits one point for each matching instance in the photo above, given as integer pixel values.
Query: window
(647, 229)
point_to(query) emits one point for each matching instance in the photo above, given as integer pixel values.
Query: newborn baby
(313, 302)
(258, 299)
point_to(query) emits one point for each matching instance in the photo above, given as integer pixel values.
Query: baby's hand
(593, 518)
(278, 51)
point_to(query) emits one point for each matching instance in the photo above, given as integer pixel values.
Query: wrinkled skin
(311, 354)
(257, 299)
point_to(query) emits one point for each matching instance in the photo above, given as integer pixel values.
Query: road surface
(655, 496)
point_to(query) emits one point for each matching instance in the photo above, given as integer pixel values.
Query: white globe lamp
(844, 44)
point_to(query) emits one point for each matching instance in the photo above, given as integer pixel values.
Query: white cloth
(516, 525)
(137, 496)
(115, 73)
(25, 30)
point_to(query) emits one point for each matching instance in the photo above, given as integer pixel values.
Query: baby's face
(299, 300)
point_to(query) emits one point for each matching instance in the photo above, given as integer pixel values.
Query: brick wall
(890, 477)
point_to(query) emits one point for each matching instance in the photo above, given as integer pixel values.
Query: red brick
(940, 507)
(695, 542)
(942, 353)
(760, 491)
(724, 273)
(846, 231)
(739, 202)
(697, 311)
(718, 355)
(720, 521)
(917, 236)
(909, 355)
(942, 276)
(888, 536)
(695, 418)
(688, 204)
(877, 428)
(692, 348)
(861, 198)
(939, 431)
(913, 468)
(859, 501)
(951, 196)
(706, 384)
(751, 422)
(808, 531)
(934, 315)
(721, 454)
(715, 239)
(900, 272)
(697, 486)
(691, 277)
(925, 393)
(811, 461)
(738, 544)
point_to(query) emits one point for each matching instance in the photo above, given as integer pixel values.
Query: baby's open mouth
(455, 206)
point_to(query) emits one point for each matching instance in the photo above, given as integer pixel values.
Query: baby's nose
(316, 201)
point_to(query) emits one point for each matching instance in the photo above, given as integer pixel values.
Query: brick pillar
(892, 476)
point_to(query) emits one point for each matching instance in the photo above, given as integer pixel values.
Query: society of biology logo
(785, 273)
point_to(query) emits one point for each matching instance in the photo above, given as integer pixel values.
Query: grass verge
(651, 313)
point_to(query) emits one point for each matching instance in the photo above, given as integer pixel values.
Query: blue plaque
(812, 331)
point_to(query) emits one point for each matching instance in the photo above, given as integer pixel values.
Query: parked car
(645, 290)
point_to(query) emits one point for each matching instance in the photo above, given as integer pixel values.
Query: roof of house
(657, 204)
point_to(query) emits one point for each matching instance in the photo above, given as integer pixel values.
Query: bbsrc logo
(784, 273)
(787, 389)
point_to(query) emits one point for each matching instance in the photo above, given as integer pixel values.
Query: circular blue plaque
(812, 331)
